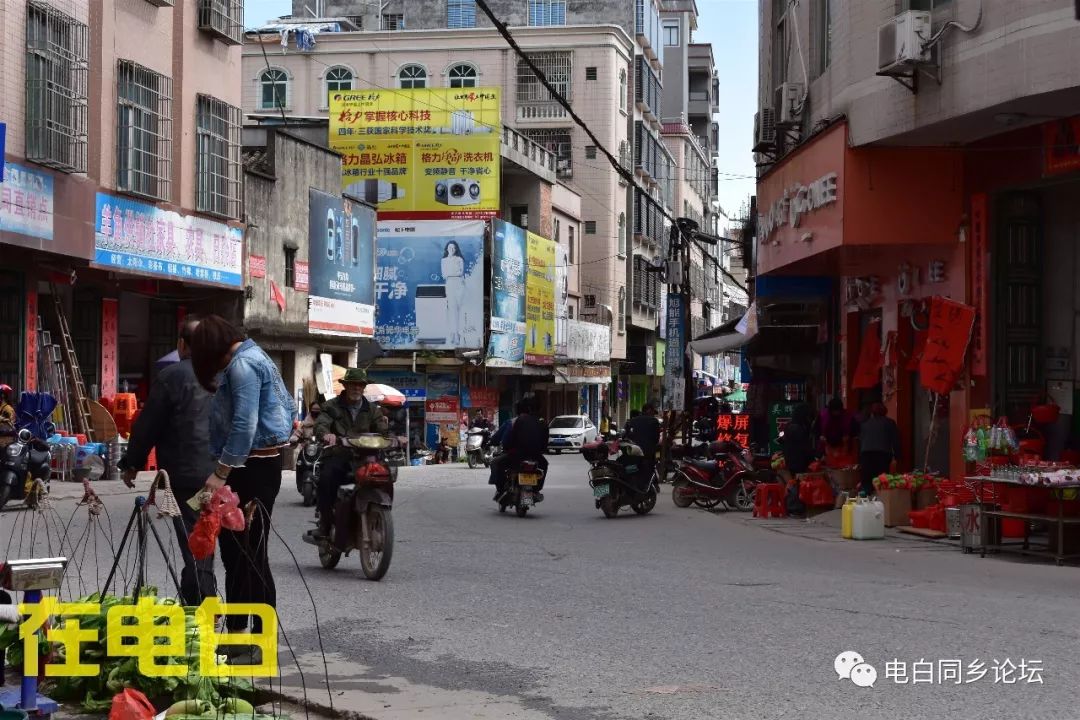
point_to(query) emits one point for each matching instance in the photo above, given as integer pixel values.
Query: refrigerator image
(431, 314)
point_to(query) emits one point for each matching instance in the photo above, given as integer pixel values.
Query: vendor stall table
(1057, 522)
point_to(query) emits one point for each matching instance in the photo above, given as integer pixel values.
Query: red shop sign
(109, 345)
(979, 285)
(257, 266)
(300, 279)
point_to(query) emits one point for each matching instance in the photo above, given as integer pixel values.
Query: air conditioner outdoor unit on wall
(901, 40)
(765, 130)
(788, 97)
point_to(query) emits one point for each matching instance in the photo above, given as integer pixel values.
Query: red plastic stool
(151, 460)
(769, 500)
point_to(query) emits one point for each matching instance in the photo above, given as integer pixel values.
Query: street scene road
(679, 614)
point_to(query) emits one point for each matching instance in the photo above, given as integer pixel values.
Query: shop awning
(732, 335)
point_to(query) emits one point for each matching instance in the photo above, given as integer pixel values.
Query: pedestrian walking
(879, 446)
(251, 419)
(837, 429)
(175, 421)
(798, 441)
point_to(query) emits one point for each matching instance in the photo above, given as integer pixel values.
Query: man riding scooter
(350, 413)
(526, 439)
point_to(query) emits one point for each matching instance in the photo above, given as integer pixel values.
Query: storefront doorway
(12, 323)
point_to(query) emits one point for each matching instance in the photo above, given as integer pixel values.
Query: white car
(570, 432)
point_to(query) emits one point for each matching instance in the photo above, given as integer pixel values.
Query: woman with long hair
(251, 419)
(453, 271)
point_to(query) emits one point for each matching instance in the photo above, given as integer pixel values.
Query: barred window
(462, 75)
(290, 267)
(460, 13)
(622, 308)
(412, 77)
(590, 227)
(57, 65)
(274, 89)
(547, 12)
(622, 233)
(143, 131)
(556, 67)
(393, 21)
(223, 19)
(558, 142)
(217, 166)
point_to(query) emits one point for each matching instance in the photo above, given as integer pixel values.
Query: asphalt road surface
(681, 614)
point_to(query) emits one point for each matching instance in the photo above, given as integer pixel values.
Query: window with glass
(547, 12)
(823, 34)
(338, 79)
(393, 21)
(143, 131)
(460, 13)
(622, 233)
(217, 160)
(274, 85)
(412, 77)
(624, 99)
(462, 75)
(672, 36)
(556, 67)
(622, 308)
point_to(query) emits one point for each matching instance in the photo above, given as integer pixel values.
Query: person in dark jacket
(879, 445)
(798, 442)
(644, 431)
(527, 439)
(176, 421)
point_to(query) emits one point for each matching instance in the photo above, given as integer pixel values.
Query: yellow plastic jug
(847, 519)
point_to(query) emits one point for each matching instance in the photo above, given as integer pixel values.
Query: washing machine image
(431, 314)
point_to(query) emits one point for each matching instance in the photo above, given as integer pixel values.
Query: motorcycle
(477, 450)
(615, 474)
(362, 519)
(521, 493)
(307, 471)
(25, 470)
(727, 476)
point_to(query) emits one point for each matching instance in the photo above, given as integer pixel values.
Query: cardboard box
(924, 498)
(897, 504)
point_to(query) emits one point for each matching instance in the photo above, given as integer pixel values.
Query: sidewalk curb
(314, 706)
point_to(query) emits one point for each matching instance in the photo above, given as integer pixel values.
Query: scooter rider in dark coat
(527, 439)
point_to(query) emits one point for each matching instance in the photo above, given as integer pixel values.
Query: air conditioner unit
(901, 42)
(765, 130)
(788, 97)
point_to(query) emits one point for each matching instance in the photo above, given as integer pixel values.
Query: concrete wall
(1021, 49)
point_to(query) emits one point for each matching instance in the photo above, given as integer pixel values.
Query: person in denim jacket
(251, 420)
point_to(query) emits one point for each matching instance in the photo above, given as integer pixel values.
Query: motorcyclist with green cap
(350, 413)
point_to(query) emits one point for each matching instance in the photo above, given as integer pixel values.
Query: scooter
(521, 488)
(727, 477)
(477, 450)
(307, 471)
(362, 519)
(616, 477)
(25, 470)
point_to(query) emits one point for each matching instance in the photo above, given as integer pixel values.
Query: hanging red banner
(980, 268)
(1061, 146)
(31, 338)
(868, 369)
(946, 344)
(109, 342)
(277, 296)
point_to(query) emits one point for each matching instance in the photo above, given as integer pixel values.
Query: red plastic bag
(204, 536)
(131, 705)
(226, 505)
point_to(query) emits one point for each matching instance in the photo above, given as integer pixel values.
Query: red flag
(277, 296)
(946, 344)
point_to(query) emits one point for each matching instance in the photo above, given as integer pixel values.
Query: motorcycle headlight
(14, 450)
(309, 450)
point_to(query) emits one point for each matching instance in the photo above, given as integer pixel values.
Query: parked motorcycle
(307, 471)
(362, 519)
(477, 449)
(25, 470)
(728, 476)
(521, 487)
(616, 477)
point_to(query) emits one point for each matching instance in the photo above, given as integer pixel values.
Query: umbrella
(166, 360)
(378, 393)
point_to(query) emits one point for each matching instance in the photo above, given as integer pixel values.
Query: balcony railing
(541, 112)
(519, 143)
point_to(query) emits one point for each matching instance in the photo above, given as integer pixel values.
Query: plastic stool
(151, 460)
(769, 500)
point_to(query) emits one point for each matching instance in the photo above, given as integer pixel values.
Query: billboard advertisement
(562, 298)
(508, 267)
(540, 301)
(143, 238)
(416, 154)
(429, 285)
(26, 201)
(443, 409)
(341, 266)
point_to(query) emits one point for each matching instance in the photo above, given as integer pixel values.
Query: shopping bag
(131, 704)
(204, 535)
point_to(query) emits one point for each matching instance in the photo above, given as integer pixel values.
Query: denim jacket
(252, 409)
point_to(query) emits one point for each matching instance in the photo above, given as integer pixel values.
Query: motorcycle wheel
(707, 503)
(5, 495)
(502, 508)
(309, 494)
(472, 461)
(645, 506)
(743, 499)
(609, 507)
(522, 510)
(329, 558)
(375, 560)
(678, 494)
